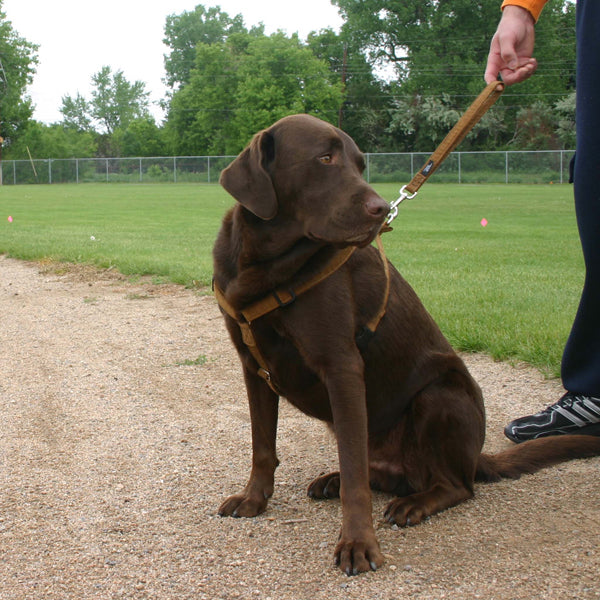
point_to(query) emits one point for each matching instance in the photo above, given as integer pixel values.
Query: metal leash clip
(404, 195)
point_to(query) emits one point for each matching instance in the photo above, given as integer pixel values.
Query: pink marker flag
(484, 222)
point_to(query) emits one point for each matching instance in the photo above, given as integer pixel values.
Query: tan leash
(470, 118)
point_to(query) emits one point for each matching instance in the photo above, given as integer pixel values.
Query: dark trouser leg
(581, 359)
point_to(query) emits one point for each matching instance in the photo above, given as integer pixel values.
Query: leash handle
(470, 118)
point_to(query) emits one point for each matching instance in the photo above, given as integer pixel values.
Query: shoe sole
(587, 430)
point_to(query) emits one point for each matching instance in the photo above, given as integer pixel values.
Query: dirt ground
(124, 425)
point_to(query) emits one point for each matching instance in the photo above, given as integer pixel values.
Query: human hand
(511, 48)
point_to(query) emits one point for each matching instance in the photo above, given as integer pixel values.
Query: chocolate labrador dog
(299, 284)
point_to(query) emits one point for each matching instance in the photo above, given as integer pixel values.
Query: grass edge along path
(498, 266)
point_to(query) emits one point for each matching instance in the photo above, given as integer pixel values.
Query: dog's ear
(247, 180)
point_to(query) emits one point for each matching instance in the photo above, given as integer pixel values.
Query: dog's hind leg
(413, 509)
(325, 487)
(381, 478)
(437, 447)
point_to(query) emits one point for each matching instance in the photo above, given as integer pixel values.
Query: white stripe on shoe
(570, 416)
(591, 405)
(590, 417)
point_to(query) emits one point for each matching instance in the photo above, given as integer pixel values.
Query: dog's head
(307, 174)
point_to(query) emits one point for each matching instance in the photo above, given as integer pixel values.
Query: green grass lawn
(167, 230)
(509, 289)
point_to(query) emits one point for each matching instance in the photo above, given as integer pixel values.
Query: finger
(492, 70)
(520, 73)
(494, 62)
(493, 67)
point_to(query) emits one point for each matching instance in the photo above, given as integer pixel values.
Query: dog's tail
(534, 455)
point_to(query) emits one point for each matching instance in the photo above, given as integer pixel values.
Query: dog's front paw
(354, 556)
(325, 487)
(243, 505)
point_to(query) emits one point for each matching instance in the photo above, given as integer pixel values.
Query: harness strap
(281, 297)
(247, 337)
(374, 322)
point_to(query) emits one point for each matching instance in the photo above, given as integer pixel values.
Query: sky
(77, 38)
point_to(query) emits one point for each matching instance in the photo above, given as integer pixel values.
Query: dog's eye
(326, 159)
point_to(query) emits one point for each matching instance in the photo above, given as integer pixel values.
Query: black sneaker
(571, 414)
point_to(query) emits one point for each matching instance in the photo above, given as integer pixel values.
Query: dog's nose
(377, 207)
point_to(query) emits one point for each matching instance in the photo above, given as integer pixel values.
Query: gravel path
(124, 425)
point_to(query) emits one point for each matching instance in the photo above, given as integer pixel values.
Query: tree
(364, 112)
(17, 65)
(280, 76)
(535, 128)
(546, 127)
(184, 32)
(565, 127)
(244, 84)
(115, 103)
(443, 44)
(52, 141)
(142, 137)
(76, 113)
(432, 44)
(421, 124)
(198, 121)
(439, 47)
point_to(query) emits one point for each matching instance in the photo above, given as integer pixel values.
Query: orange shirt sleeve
(533, 6)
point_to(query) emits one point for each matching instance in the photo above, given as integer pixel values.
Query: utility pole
(344, 68)
(3, 75)
(4, 81)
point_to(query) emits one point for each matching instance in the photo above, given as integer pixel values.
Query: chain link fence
(550, 166)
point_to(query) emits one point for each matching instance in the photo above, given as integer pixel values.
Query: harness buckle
(283, 303)
(266, 375)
